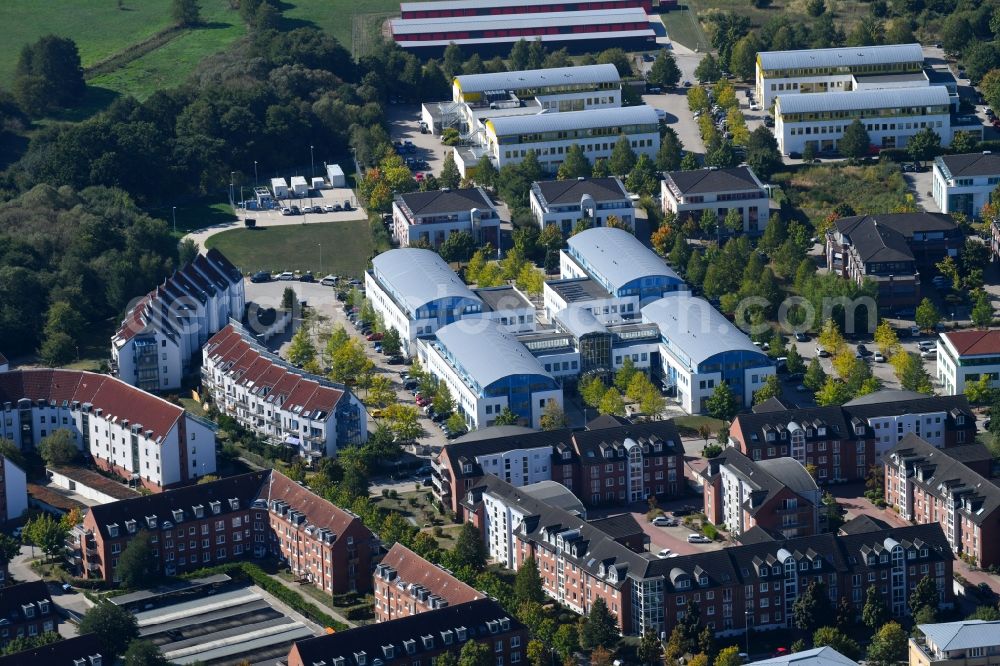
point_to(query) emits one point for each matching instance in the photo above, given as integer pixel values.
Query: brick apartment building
(842, 442)
(416, 640)
(77, 651)
(611, 462)
(752, 584)
(947, 487)
(777, 495)
(247, 516)
(406, 584)
(26, 610)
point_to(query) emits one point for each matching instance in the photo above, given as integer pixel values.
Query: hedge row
(359, 612)
(260, 578)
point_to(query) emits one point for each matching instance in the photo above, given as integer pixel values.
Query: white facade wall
(501, 522)
(551, 154)
(610, 310)
(300, 187)
(15, 490)
(565, 216)
(279, 187)
(407, 233)
(734, 494)
(887, 132)
(756, 211)
(890, 429)
(392, 314)
(979, 188)
(639, 352)
(564, 364)
(953, 377)
(519, 467)
(171, 354)
(72, 485)
(692, 387)
(512, 320)
(767, 89)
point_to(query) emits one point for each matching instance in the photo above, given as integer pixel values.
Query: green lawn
(170, 64)
(195, 215)
(346, 247)
(344, 19)
(98, 27)
(690, 424)
(683, 27)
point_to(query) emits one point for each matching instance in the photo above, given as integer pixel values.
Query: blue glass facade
(733, 366)
(518, 390)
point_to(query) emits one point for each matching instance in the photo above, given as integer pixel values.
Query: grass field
(846, 13)
(683, 27)
(815, 191)
(170, 64)
(346, 247)
(336, 17)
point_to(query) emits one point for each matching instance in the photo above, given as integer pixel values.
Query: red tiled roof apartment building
(127, 431)
(162, 333)
(246, 516)
(964, 357)
(406, 584)
(279, 402)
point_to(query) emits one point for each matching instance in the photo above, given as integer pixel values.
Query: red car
(421, 400)
(372, 337)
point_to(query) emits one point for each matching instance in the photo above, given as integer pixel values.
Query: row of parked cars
(290, 276)
(426, 404)
(328, 208)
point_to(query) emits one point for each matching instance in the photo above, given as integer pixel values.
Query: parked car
(664, 521)
(330, 208)
(286, 276)
(698, 538)
(928, 353)
(664, 553)
(863, 351)
(394, 360)
(878, 357)
(329, 281)
(801, 337)
(925, 345)
(375, 337)
(307, 277)
(316, 209)
(286, 211)
(410, 384)
(260, 276)
(822, 353)
(295, 210)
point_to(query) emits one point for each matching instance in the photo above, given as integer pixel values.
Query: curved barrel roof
(697, 329)
(618, 256)
(417, 277)
(486, 352)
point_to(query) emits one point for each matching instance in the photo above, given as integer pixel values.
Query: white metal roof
(590, 37)
(695, 328)
(885, 98)
(579, 321)
(538, 77)
(418, 277)
(618, 256)
(848, 56)
(486, 352)
(824, 656)
(520, 21)
(462, 4)
(947, 636)
(574, 120)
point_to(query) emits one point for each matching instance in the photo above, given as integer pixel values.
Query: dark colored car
(394, 360)
(260, 276)
(307, 277)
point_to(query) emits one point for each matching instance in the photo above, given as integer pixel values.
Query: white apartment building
(163, 333)
(964, 183)
(687, 194)
(417, 293)
(699, 348)
(487, 369)
(277, 401)
(14, 487)
(833, 70)
(564, 202)
(508, 139)
(890, 116)
(965, 356)
(129, 432)
(433, 216)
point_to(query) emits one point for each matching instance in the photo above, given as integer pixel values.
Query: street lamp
(255, 183)
(312, 165)
(320, 258)
(747, 613)
(232, 188)
(175, 219)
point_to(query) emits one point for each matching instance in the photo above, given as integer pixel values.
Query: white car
(664, 554)
(663, 521)
(878, 357)
(928, 353)
(286, 211)
(329, 280)
(286, 276)
(698, 538)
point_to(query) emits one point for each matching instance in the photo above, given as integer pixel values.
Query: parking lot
(330, 313)
(240, 625)
(404, 125)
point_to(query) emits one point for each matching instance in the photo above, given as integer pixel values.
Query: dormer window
(703, 580)
(388, 651)
(960, 419)
(178, 515)
(448, 636)
(822, 431)
(566, 455)
(29, 610)
(817, 564)
(776, 570)
(410, 646)
(428, 642)
(234, 504)
(923, 552)
(151, 522)
(43, 607)
(467, 468)
(461, 633)
(361, 658)
(96, 660)
(199, 511)
(883, 558)
(608, 453)
(130, 526)
(803, 566)
(113, 530)
(216, 507)
(770, 436)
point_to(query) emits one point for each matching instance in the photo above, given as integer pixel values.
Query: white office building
(163, 333)
(836, 70)
(508, 139)
(687, 194)
(964, 183)
(564, 202)
(417, 293)
(699, 348)
(965, 356)
(506, 508)
(487, 369)
(131, 433)
(431, 217)
(890, 116)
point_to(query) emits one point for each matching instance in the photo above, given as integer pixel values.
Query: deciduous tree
(58, 448)
(114, 626)
(137, 565)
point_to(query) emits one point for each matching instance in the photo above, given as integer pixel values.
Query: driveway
(404, 125)
(72, 604)
(921, 184)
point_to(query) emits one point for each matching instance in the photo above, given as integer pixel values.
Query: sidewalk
(325, 607)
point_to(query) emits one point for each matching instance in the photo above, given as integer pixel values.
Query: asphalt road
(71, 603)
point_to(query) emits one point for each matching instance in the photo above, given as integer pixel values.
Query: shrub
(359, 612)
(710, 531)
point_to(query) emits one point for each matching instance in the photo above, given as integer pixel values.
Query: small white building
(431, 217)
(508, 139)
(487, 370)
(503, 511)
(15, 491)
(300, 187)
(335, 175)
(964, 183)
(831, 70)
(700, 348)
(564, 202)
(890, 116)
(687, 194)
(965, 356)
(280, 188)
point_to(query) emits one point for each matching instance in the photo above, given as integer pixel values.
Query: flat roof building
(830, 70)
(687, 194)
(962, 643)
(823, 656)
(431, 217)
(891, 117)
(964, 183)
(699, 348)
(448, 8)
(562, 26)
(564, 202)
(483, 384)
